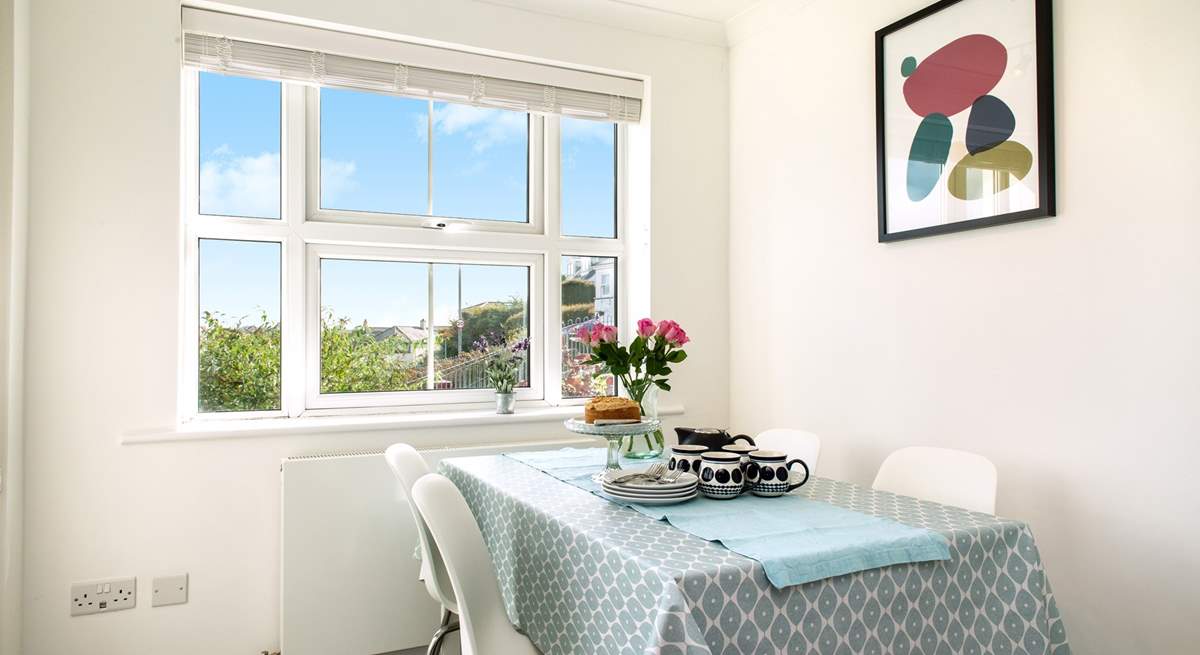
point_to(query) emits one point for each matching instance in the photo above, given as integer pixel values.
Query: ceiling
(693, 20)
(714, 10)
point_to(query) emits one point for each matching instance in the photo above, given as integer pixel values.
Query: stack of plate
(652, 492)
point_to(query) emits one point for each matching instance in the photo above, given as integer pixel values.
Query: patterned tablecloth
(582, 576)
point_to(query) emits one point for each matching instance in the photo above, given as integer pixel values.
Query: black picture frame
(1045, 129)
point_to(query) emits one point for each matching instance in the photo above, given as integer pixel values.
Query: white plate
(685, 480)
(639, 491)
(672, 500)
(648, 494)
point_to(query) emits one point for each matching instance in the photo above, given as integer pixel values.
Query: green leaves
(352, 360)
(502, 369)
(239, 365)
(645, 362)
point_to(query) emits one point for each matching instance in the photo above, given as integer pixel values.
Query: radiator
(348, 579)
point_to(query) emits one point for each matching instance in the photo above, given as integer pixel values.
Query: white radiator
(348, 580)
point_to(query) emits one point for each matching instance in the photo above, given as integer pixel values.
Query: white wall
(102, 330)
(14, 195)
(1067, 350)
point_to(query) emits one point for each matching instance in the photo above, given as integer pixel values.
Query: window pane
(492, 303)
(589, 178)
(589, 291)
(239, 326)
(374, 152)
(373, 325)
(480, 162)
(239, 146)
(375, 317)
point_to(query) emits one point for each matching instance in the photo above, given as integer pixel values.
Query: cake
(611, 408)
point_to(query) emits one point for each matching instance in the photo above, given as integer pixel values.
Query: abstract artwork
(964, 117)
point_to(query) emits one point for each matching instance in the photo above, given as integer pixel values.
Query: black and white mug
(686, 457)
(770, 473)
(721, 475)
(743, 450)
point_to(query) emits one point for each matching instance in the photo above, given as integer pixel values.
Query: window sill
(207, 430)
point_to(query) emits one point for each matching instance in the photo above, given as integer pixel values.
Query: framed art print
(964, 117)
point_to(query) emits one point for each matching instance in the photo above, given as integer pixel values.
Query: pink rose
(664, 326)
(584, 335)
(646, 328)
(675, 335)
(605, 334)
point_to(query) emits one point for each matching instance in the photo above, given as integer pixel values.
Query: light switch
(170, 590)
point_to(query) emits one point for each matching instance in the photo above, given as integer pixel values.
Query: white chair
(409, 466)
(796, 443)
(485, 626)
(950, 477)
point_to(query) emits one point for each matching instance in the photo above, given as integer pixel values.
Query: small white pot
(506, 403)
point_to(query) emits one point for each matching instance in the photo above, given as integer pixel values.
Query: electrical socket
(101, 596)
(171, 590)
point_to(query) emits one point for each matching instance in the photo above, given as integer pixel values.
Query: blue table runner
(796, 539)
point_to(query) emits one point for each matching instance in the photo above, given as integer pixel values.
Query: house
(413, 339)
(601, 272)
(934, 268)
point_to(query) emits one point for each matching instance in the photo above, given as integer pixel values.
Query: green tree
(577, 292)
(239, 365)
(495, 321)
(577, 313)
(353, 360)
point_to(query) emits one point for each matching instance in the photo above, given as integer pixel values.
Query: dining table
(582, 575)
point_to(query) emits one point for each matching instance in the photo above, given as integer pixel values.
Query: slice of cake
(611, 407)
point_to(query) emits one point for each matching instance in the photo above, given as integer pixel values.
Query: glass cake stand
(613, 433)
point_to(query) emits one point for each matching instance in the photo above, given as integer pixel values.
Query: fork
(670, 477)
(654, 472)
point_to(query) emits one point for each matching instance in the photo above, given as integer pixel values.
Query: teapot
(711, 438)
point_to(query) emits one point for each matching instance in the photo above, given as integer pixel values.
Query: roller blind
(242, 45)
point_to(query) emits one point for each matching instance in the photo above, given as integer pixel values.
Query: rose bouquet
(642, 365)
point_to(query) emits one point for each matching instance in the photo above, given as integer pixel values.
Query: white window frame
(305, 231)
(315, 399)
(535, 213)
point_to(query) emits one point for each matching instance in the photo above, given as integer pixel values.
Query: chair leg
(447, 626)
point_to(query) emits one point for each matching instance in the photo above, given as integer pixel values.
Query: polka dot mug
(770, 473)
(720, 475)
(686, 458)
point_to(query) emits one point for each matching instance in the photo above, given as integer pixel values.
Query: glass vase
(651, 444)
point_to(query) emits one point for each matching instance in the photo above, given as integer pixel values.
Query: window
(391, 325)
(395, 155)
(318, 285)
(586, 302)
(589, 174)
(239, 346)
(384, 154)
(373, 153)
(239, 146)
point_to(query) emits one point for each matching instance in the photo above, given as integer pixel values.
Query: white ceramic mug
(770, 473)
(743, 450)
(721, 475)
(686, 457)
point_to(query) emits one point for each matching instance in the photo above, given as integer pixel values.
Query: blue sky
(239, 146)
(239, 279)
(397, 293)
(374, 157)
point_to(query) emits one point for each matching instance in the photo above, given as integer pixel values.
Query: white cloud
(240, 185)
(484, 128)
(337, 177)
